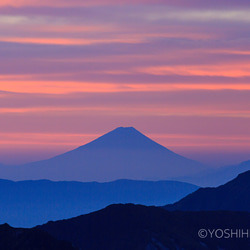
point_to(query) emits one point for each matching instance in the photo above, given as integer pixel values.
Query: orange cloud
(236, 70)
(46, 139)
(52, 87)
(67, 41)
(47, 87)
(60, 110)
(187, 86)
(130, 110)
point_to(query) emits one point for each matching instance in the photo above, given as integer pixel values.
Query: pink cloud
(63, 3)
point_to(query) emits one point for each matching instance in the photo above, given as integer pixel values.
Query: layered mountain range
(29, 203)
(124, 153)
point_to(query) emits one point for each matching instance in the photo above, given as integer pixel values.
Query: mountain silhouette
(233, 196)
(30, 203)
(33, 239)
(124, 138)
(218, 176)
(136, 227)
(123, 153)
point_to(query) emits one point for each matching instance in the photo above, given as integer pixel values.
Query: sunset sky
(178, 71)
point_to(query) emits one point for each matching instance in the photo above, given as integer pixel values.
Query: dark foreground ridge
(29, 239)
(232, 196)
(137, 227)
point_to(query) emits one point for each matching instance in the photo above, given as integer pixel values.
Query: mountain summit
(123, 153)
(124, 138)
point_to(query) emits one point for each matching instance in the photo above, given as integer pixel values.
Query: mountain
(123, 153)
(24, 239)
(233, 196)
(218, 176)
(30, 203)
(137, 227)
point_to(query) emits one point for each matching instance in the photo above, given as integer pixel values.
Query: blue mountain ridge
(29, 203)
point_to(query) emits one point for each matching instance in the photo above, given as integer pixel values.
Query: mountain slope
(29, 203)
(123, 153)
(216, 177)
(233, 196)
(138, 227)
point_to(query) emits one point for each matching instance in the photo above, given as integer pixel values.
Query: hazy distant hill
(29, 239)
(29, 203)
(218, 176)
(123, 153)
(234, 196)
(138, 227)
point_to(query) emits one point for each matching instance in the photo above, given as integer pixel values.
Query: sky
(178, 71)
